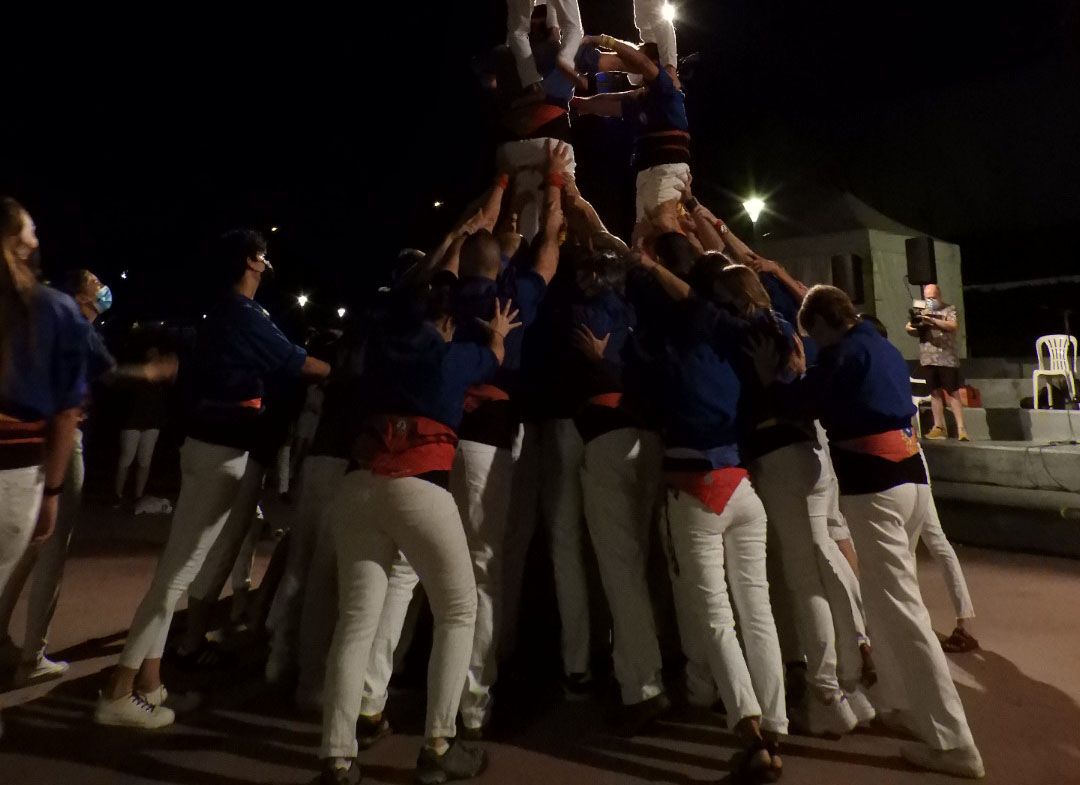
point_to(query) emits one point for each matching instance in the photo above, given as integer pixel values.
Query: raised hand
(591, 346)
(503, 322)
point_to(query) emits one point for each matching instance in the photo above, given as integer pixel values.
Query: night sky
(135, 139)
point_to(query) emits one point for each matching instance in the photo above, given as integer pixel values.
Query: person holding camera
(936, 328)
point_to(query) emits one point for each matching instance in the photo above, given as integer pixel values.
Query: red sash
(482, 393)
(895, 446)
(713, 489)
(14, 431)
(609, 400)
(405, 446)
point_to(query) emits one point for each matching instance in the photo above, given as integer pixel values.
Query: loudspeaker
(847, 274)
(921, 262)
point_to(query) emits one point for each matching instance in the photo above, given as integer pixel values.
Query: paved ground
(1022, 694)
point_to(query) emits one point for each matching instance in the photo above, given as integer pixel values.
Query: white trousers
(618, 516)
(795, 494)
(547, 485)
(480, 482)
(913, 671)
(840, 581)
(933, 536)
(659, 184)
(701, 689)
(211, 477)
(400, 590)
(319, 478)
(653, 28)
(518, 17)
(372, 518)
(717, 553)
(135, 447)
(45, 562)
(20, 505)
(526, 158)
(234, 548)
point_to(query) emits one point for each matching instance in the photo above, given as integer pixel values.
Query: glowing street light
(341, 313)
(754, 207)
(302, 300)
(437, 205)
(204, 316)
(273, 228)
(668, 12)
(123, 275)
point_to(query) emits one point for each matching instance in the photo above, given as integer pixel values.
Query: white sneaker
(43, 669)
(960, 762)
(156, 697)
(861, 706)
(132, 711)
(819, 718)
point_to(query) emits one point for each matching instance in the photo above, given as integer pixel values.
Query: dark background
(134, 138)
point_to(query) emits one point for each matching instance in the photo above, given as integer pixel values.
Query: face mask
(933, 304)
(103, 299)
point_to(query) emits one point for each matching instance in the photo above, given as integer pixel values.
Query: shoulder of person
(61, 309)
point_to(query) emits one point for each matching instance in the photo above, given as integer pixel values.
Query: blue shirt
(237, 349)
(859, 386)
(418, 373)
(658, 107)
(99, 360)
(48, 363)
(475, 299)
(557, 85)
(700, 386)
(784, 303)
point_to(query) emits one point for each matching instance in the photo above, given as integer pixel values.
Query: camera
(916, 312)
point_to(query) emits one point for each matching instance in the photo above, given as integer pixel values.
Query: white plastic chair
(1061, 357)
(918, 400)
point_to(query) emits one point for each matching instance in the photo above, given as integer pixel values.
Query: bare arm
(314, 369)
(610, 62)
(580, 214)
(632, 58)
(547, 254)
(59, 443)
(797, 288)
(674, 286)
(602, 105)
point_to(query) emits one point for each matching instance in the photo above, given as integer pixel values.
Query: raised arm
(601, 105)
(797, 288)
(547, 253)
(632, 58)
(580, 214)
(674, 286)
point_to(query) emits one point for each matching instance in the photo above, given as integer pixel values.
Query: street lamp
(123, 275)
(273, 228)
(341, 313)
(668, 12)
(754, 207)
(437, 204)
(302, 300)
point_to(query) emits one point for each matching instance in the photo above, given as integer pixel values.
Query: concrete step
(1011, 424)
(1017, 465)
(1001, 393)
